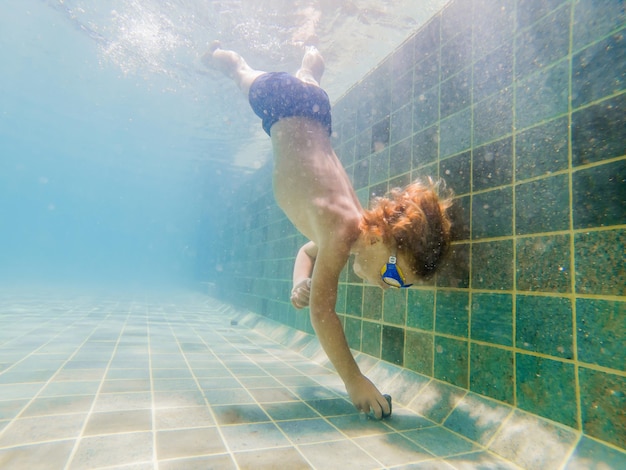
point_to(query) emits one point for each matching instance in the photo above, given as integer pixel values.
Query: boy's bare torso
(310, 184)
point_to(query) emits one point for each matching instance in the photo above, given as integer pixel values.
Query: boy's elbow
(320, 315)
(319, 322)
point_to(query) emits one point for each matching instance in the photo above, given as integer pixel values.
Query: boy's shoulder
(337, 241)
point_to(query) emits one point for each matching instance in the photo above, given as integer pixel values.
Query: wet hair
(415, 219)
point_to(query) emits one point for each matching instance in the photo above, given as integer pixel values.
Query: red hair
(415, 219)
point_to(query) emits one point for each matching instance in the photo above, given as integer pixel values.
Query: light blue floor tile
(165, 381)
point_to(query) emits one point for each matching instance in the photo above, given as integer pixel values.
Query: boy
(400, 240)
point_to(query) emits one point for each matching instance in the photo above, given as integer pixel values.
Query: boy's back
(310, 184)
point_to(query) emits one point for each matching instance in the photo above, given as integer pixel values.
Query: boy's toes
(207, 57)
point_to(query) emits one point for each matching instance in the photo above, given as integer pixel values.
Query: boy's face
(369, 261)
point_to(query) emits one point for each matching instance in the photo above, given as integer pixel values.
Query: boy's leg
(312, 67)
(232, 65)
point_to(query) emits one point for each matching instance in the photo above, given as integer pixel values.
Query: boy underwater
(397, 242)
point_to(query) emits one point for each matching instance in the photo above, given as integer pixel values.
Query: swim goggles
(392, 275)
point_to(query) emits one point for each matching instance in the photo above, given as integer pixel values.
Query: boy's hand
(301, 293)
(366, 397)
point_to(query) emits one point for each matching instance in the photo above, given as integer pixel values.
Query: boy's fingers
(375, 410)
(379, 410)
(388, 400)
(299, 303)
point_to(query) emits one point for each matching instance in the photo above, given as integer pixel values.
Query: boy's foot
(207, 57)
(231, 64)
(216, 57)
(312, 67)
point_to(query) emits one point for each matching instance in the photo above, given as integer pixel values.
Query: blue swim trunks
(278, 95)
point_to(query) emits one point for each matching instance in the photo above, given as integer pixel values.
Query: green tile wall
(522, 110)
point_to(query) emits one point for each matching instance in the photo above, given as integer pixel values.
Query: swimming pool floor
(167, 382)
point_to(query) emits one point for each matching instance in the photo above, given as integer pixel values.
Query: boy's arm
(305, 260)
(329, 330)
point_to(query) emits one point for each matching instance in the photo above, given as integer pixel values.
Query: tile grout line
(438, 161)
(572, 246)
(229, 451)
(155, 460)
(80, 437)
(293, 444)
(514, 239)
(39, 326)
(50, 380)
(470, 290)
